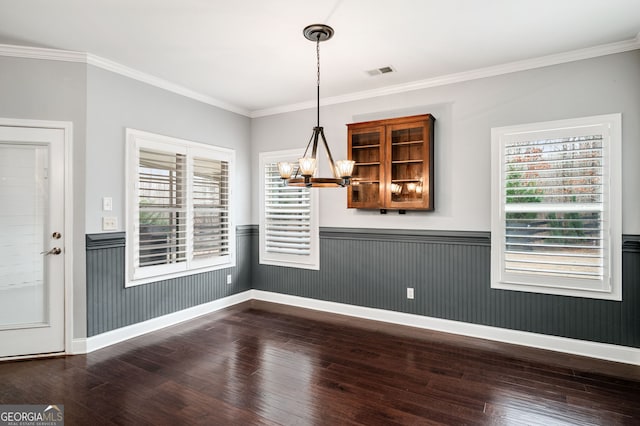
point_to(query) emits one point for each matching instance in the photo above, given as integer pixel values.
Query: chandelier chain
(318, 58)
(318, 82)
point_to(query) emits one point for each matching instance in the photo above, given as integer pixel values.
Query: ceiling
(251, 54)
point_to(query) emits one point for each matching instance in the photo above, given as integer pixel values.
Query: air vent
(380, 71)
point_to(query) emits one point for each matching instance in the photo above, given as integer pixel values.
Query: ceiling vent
(380, 71)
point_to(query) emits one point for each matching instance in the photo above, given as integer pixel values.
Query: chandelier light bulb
(307, 166)
(285, 169)
(344, 168)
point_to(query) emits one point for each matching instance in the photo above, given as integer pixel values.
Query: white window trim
(312, 261)
(137, 139)
(610, 287)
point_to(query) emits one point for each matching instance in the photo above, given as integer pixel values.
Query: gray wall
(361, 266)
(101, 104)
(115, 102)
(52, 90)
(450, 273)
(465, 114)
(111, 305)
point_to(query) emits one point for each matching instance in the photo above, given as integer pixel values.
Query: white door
(32, 239)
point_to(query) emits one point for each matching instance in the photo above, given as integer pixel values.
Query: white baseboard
(604, 351)
(78, 346)
(121, 334)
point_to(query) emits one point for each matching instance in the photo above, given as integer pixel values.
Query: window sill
(559, 291)
(286, 264)
(164, 277)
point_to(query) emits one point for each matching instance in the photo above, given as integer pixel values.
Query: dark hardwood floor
(261, 363)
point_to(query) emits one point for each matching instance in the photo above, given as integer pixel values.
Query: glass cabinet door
(366, 149)
(409, 166)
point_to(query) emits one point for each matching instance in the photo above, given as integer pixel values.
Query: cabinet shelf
(366, 146)
(394, 164)
(407, 143)
(405, 161)
(365, 181)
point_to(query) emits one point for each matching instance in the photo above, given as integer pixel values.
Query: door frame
(67, 128)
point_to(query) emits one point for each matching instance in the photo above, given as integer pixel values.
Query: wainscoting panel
(110, 305)
(450, 274)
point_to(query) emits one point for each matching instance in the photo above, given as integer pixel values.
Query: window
(179, 207)
(556, 221)
(288, 217)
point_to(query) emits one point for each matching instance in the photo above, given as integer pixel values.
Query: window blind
(162, 208)
(287, 215)
(553, 203)
(210, 194)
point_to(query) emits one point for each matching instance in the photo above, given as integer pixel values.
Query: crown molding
(511, 67)
(109, 65)
(507, 68)
(42, 53)
(118, 68)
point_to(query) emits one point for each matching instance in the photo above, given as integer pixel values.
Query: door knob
(55, 250)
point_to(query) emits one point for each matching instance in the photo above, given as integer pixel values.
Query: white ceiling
(251, 53)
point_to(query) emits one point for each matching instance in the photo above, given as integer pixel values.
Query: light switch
(107, 204)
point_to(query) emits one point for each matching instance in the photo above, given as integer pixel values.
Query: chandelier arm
(329, 156)
(304, 155)
(316, 133)
(306, 150)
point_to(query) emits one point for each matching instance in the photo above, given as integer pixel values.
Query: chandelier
(307, 165)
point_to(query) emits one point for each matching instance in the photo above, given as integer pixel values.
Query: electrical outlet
(229, 279)
(409, 292)
(109, 223)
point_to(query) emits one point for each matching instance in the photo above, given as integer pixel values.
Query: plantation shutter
(162, 218)
(553, 200)
(210, 192)
(179, 207)
(287, 215)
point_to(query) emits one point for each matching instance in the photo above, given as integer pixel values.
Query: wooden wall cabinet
(394, 164)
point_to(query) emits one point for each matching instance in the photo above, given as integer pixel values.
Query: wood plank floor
(262, 363)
